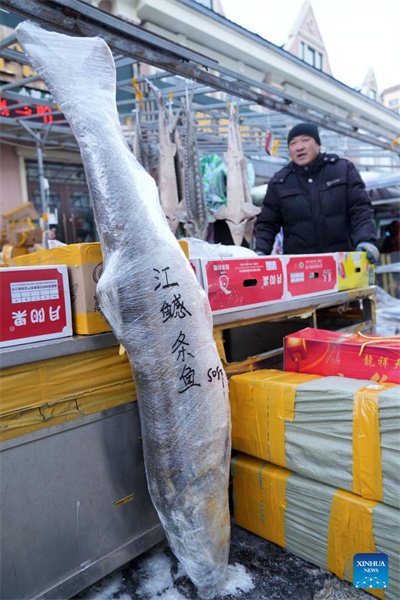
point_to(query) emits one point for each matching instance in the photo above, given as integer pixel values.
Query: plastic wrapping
(151, 299)
(341, 431)
(317, 522)
(214, 171)
(201, 249)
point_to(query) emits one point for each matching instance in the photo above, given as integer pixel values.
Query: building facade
(391, 98)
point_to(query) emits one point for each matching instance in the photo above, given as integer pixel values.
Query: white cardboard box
(35, 304)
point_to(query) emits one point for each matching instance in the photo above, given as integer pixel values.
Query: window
(394, 102)
(311, 56)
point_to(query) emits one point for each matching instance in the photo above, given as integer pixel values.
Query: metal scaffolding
(263, 109)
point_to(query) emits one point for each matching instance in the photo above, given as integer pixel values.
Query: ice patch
(158, 582)
(157, 579)
(238, 581)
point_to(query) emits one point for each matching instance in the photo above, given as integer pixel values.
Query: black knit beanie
(304, 129)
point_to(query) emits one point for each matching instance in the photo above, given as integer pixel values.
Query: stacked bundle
(22, 233)
(333, 432)
(54, 391)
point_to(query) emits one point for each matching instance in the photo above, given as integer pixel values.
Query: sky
(357, 34)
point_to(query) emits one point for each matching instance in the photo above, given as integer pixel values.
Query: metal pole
(42, 186)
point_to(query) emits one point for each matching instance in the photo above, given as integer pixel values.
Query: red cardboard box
(345, 354)
(310, 275)
(35, 304)
(196, 266)
(239, 283)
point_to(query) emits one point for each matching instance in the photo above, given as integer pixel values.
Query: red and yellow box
(85, 265)
(354, 270)
(240, 283)
(345, 354)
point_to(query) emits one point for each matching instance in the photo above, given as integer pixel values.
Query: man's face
(303, 149)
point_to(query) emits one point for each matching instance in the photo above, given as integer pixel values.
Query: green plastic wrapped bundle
(214, 170)
(340, 431)
(320, 523)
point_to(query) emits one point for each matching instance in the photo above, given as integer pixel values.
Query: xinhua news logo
(371, 570)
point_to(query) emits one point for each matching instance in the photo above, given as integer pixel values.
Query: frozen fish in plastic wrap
(150, 297)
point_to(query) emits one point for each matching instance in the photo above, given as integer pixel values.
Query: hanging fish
(167, 183)
(249, 227)
(173, 126)
(139, 148)
(196, 218)
(239, 211)
(150, 297)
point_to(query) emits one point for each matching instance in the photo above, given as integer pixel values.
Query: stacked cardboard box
(333, 432)
(9, 251)
(84, 263)
(238, 283)
(354, 270)
(356, 355)
(55, 391)
(22, 230)
(35, 304)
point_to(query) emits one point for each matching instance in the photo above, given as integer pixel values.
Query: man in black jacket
(319, 200)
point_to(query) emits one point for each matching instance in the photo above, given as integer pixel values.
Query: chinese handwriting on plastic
(173, 309)
(163, 277)
(181, 347)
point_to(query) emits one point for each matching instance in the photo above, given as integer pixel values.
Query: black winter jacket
(322, 207)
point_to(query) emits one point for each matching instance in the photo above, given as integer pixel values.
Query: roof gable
(305, 29)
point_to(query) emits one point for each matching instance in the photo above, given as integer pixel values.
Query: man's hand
(371, 250)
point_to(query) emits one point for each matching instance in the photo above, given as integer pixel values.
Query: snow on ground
(258, 570)
(157, 578)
